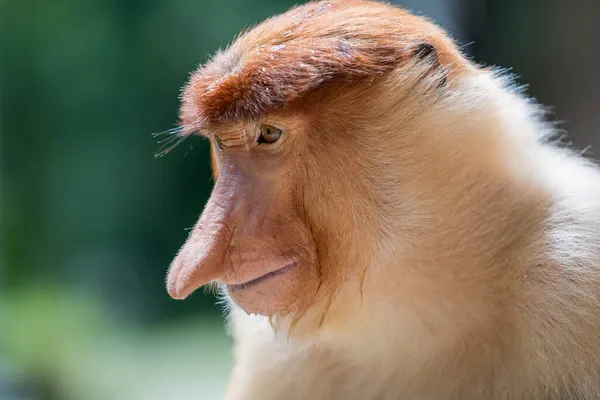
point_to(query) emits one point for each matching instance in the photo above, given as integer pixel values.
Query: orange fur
(305, 49)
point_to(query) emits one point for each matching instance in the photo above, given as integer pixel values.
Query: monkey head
(302, 115)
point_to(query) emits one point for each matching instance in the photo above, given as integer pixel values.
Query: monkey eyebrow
(175, 136)
(232, 138)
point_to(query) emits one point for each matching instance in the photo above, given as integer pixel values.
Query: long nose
(202, 257)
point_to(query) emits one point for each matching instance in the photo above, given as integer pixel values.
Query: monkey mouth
(269, 275)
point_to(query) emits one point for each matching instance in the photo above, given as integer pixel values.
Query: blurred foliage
(68, 346)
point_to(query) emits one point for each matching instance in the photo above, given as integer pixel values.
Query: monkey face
(253, 236)
(289, 218)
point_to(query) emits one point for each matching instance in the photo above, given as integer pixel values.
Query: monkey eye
(219, 142)
(269, 134)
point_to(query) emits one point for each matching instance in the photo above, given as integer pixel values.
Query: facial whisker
(174, 137)
(169, 145)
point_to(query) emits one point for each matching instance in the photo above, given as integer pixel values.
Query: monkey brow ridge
(288, 56)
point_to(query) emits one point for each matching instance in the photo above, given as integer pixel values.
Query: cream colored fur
(485, 283)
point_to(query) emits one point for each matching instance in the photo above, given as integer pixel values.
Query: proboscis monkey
(389, 220)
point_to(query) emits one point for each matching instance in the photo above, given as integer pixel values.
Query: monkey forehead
(308, 47)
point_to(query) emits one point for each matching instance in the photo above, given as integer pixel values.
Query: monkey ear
(427, 53)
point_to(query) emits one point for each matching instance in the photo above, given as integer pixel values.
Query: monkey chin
(275, 292)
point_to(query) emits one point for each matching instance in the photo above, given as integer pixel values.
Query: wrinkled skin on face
(252, 236)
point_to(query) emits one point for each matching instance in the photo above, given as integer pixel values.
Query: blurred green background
(89, 219)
